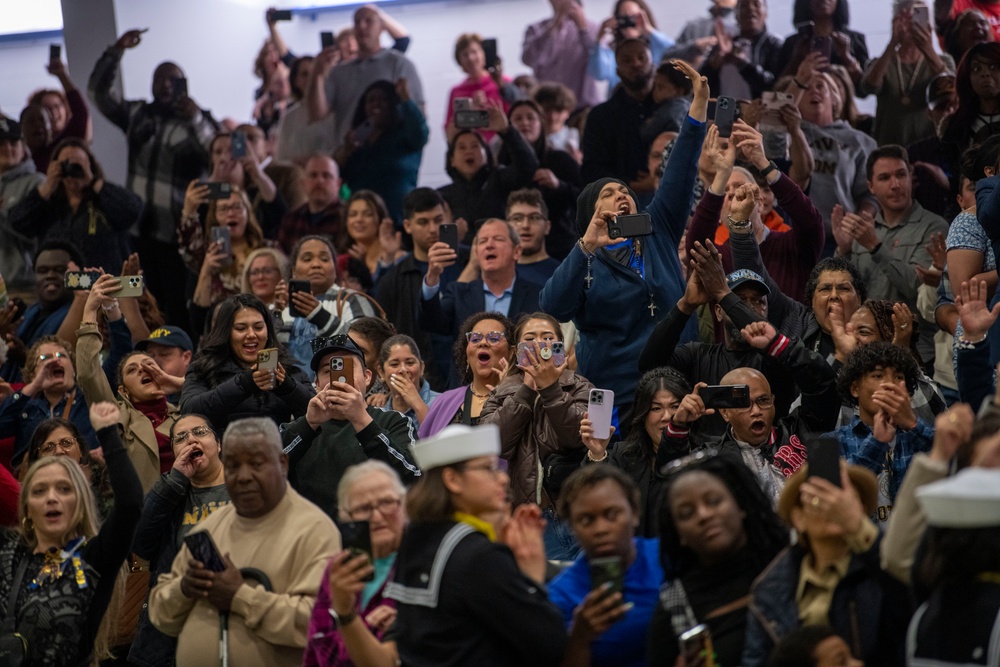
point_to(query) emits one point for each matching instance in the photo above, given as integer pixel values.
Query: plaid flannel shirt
(859, 446)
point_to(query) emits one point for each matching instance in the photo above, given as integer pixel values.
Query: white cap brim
(457, 443)
(968, 499)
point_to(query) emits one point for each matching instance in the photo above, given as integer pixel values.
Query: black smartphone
(69, 169)
(356, 538)
(472, 119)
(630, 226)
(224, 238)
(238, 144)
(727, 109)
(342, 369)
(710, 110)
(726, 396)
(604, 570)
(805, 29)
(821, 44)
(55, 52)
(217, 190)
(448, 233)
(490, 53)
(293, 287)
(80, 280)
(625, 21)
(281, 15)
(326, 40)
(823, 457)
(203, 549)
(180, 87)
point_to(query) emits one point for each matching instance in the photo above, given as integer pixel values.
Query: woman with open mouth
(61, 562)
(224, 381)
(50, 391)
(483, 348)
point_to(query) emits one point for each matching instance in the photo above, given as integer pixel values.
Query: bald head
(745, 376)
(750, 425)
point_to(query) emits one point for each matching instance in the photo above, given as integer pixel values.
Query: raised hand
(103, 414)
(692, 408)
(902, 325)
(759, 334)
(975, 316)
(894, 400)
(130, 39)
(745, 198)
(844, 340)
(951, 428)
(596, 447)
(707, 263)
(750, 142)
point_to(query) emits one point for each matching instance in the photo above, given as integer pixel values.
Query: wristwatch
(341, 621)
(766, 171)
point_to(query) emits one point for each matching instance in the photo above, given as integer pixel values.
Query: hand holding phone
(267, 360)
(599, 410)
(356, 538)
(238, 144)
(203, 549)
(725, 396)
(727, 110)
(293, 287)
(342, 369)
(223, 237)
(823, 457)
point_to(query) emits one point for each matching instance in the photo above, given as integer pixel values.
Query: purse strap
(15, 587)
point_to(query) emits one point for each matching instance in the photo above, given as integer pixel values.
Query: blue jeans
(560, 543)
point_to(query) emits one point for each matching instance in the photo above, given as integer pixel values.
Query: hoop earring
(27, 526)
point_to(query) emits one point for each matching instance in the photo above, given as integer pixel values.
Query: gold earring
(27, 526)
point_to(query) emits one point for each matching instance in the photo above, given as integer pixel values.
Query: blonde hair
(280, 259)
(85, 520)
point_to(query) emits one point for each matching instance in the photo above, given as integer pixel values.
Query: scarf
(156, 412)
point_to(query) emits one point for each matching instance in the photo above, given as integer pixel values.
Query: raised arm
(317, 102)
(101, 85)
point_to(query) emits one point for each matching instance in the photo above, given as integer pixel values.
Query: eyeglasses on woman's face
(493, 469)
(386, 507)
(197, 431)
(262, 271)
(49, 448)
(492, 337)
(52, 355)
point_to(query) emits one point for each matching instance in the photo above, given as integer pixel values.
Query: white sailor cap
(968, 499)
(457, 443)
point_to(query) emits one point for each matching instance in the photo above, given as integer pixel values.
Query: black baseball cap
(10, 129)
(746, 276)
(339, 343)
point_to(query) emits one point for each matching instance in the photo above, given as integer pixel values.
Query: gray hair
(253, 427)
(512, 232)
(356, 472)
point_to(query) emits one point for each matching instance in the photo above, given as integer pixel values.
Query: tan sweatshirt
(291, 545)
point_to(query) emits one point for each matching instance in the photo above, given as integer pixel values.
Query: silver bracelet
(107, 308)
(738, 224)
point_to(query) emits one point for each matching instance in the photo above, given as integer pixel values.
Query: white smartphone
(921, 15)
(267, 360)
(599, 408)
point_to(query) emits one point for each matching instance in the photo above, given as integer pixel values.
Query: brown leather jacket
(534, 425)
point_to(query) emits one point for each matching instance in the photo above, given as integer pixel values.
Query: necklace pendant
(905, 100)
(652, 308)
(588, 280)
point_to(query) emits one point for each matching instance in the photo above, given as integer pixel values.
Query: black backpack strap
(10, 623)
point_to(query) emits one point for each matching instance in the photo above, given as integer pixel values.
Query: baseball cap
(941, 90)
(10, 129)
(169, 336)
(745, 276)
(340, 343)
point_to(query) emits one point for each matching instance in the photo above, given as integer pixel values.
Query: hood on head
(587, 201)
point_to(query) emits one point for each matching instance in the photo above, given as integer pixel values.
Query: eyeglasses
(493, 469)
(683, 463)
(763, 402)
(386, 507)
(228, 208)
(492, 337)
(197, 431)
(263, 271)
(521, 217)
(54, 355)
(66, 444)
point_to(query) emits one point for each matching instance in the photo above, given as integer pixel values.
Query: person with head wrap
(616, 290)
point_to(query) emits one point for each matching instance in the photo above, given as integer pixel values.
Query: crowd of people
(697, 371)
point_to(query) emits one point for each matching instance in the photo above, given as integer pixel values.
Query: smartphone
(558, 352)
(805, 28)
(293, 287)
(203, 549)
(771, 103)
(821, 44)
(490, 53)
(80, 280)
(362, 132)
(630, 226)
(696, 646)
(180, 87)
(727, 109)
(55, 52)
(238, 144)
(921, 15)
(218, 190)
(131, 286)
(472, 119)
(823, 457)
(726, 396)
(711, 109)
(267, 360)
(342, 369)
(326, 40)
(604, 570)
(223, 236)
(356, 538)
(281, 15)
(625, 21)
(448, 233)
(599, 409)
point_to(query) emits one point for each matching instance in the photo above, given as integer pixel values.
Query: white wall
(215, 42)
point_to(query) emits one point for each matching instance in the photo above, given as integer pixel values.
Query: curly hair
(881, 311)
(836, 264)
(638, 444)
(866, 359)
(766, 535)
(31, 363)
(458, 350)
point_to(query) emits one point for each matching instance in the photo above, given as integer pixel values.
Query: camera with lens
(626, 21)
(69, 169)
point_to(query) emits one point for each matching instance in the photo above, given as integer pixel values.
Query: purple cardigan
(442, 411)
